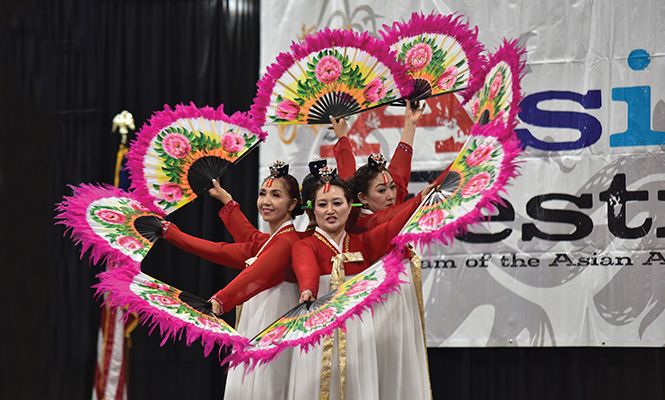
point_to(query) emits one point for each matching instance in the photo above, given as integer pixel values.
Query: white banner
(577, 255)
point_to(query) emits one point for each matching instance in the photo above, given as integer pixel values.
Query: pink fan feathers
(511, 147)
(324, 39)
(255, 355)
(117, 284)
(162, 119)
(77, 215)
(450, 25)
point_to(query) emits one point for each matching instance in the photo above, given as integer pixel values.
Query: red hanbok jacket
(400, 170)
(271, 266)
(312, 256)
(241, 229)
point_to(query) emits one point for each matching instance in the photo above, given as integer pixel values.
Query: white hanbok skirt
(269, 381)
(401, 350)
(385, 354)
(362, 380)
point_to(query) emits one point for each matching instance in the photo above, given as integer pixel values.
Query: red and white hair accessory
(378, 162)
(326, 174)
(278, 169)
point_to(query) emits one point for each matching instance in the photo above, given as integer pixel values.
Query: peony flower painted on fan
(476, 184)
(176, 145)
(207, 322)
(474, 106)
(138, 206)
(232, 142)
(171, 192)
(162, 300)
(418, 57)
(360, 287)
(288, 110)
(448, 78)
(320, 318)
(432, 220)
(273, 336)
(495, 86)
(480, 155)
(110, 216)
(328, 69)
(375, 90)
(158, 286)
(130, 243)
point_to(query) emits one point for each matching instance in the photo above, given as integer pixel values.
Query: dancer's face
(379, 195)
(331, 209)
(274, 203)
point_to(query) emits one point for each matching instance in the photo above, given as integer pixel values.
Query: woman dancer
(374, 185)
(313, 264)
(400, 164)
(266, 284)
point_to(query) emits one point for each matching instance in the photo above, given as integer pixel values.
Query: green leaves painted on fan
(495, 95)
(115, 224)
(437, 67)
(354, 289)
(477, 167)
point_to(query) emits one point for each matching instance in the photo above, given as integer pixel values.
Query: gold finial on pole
(123, 122)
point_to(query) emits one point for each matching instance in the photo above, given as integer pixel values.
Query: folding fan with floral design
(306, 324)
(484, 165)
(172, 310)
(442, 54)
(480, 171)
(500, 94)
(178, 152)
(332, 73)
(111, 222)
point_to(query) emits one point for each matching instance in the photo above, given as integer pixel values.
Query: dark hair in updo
(359, 182)
(292, 190)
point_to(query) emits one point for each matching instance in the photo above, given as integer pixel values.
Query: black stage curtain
(66, 68)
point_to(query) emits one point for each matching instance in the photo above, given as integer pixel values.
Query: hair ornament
(377, 162)
(326, 174)
(278, 169)
(316, 165)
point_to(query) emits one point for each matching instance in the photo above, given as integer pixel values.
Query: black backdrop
(66, 68)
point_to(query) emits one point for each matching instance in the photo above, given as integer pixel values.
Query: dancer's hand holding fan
(309, 322)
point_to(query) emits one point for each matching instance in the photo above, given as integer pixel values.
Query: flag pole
(114, 341)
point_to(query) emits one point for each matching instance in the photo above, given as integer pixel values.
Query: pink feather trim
(512, 54)
(452, 26)
(73, 214)
(166, 117)
(116, 283)
(512, 148)
(253, 356)
(328, 38)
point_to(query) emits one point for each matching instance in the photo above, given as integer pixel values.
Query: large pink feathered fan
(113, 223)
(332, 73)
(500, 95)
(172, 310)
(442, 54)
(485, 164)
(178, 152)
